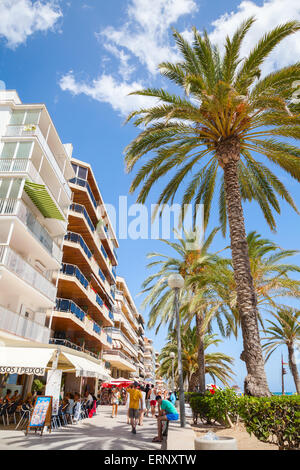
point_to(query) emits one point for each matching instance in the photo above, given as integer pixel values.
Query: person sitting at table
(7, 397)
(15, 396)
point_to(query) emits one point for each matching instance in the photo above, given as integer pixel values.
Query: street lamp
(176, 282)
(172, 356)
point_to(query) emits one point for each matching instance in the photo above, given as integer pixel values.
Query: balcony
(76, 347)
(17, 208)
(23, 327)
(84, 184)
(116, 331)
(34, 131)
(80, 209)
(25, 166)
(23, 270)
(76, 238)
(119, 360)
(73, 271)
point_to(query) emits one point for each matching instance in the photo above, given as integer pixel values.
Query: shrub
(273, 420)
(221, 406)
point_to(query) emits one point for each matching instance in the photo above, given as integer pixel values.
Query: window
(24, 150)
(4, 185)
(32, 117)
(17, 118)
(15, 189)
(82, 173)
(8, 150)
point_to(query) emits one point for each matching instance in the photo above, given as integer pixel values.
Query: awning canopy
(29, 361)
(41, 198)
(85, 368)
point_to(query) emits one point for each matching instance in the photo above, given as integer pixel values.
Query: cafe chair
(25, 415)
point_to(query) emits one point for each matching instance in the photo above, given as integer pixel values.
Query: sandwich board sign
(41, 415)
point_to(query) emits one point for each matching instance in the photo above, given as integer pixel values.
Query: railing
(84, 184)
(76, 347)
(12, 261)
(120, 354)
(65, 305)
(24, 327)
(26, 166)
(72, 270)
(16, 207)
(76, 238)
(82, 210)
(27, 131)
(112, 330)
(127, 324)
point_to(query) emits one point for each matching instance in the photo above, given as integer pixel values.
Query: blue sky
(82, 58)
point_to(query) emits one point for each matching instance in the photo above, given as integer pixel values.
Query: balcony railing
(76, 238)
(16, 207)
(26, 166)
(16, 264)
(24, 327)
(112, 330)
(84, 184)
(72, 270)
(68, 306)
(82, 210)
(76, 347)
(34, 131)
(114, 352)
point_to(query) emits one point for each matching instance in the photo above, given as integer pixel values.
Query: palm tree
(192, 259)
(217, 364)
(209, 136)
(270, 272)
(285, 329)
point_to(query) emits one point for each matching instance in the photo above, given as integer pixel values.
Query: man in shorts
(135, 403)
(167, 412)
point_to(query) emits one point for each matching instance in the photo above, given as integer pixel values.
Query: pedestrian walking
(135, 399)
(115, 400)
(143, 406)
(153, 400)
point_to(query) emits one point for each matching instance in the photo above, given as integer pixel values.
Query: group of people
(141, 400)
(72, 404)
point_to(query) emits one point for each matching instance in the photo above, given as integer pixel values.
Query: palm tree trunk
(201, 354)
(293, 367)
(256, 381)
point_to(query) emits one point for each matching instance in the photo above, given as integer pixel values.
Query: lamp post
(176, 282)
(172, 356)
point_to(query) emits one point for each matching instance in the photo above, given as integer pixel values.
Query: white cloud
(270, 14)
(143, 39)
(145, 34)
(107, 90)
(21, 18)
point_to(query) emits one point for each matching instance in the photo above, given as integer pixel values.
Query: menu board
(41, 415)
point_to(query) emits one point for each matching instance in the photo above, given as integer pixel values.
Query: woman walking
(143, 406)
(153, 400)
(115, 399)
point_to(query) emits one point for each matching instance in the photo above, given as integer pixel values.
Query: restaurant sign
(40, 371)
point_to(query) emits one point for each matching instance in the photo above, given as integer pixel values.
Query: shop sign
(39, 371)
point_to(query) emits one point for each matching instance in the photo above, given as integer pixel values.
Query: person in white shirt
(142, 406)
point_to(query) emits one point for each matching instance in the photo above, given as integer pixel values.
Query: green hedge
(274, 420)
(221, 407)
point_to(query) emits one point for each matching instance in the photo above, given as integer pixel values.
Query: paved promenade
(99, 433)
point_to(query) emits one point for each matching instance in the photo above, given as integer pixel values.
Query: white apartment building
(149, 360)
(34, 199)
(126, 357)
